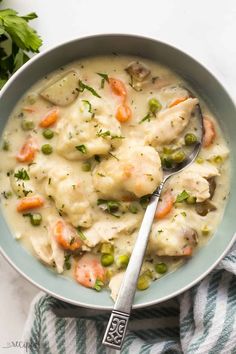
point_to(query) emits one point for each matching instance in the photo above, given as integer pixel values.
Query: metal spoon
(117, 325)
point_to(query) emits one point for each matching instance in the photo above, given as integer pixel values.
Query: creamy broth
(96, 137)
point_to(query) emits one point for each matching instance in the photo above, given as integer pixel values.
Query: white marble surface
(204, 29)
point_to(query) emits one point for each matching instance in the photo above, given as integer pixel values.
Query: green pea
(166, 160)
(154, 105)
(178, 156)
(86, 166)
(47, 149)
(205, 230)
(107, 260)
(35, 219)
(191, 200)
(48, 134)
(123, 261)
(107, 248)
(190, 139)
(143, 282)
(133, 208)
(167, 150)
(218, 159)
(199, 160)
(161, 268)
(27, 124)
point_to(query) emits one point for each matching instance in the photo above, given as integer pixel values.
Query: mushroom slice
(204, 208)
(138, 71)
(64, 91)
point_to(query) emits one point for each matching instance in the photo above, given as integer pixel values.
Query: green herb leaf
(89, 105)
(67, 261)
(103, 134)
(147, 117)
(111, 206)
(30, 16)
(98, 285)
(117, 137)
(82, 148)
(144, 200)
(17, 38)
(104, 78)
(20, 32)
(182, 197)
(83, 86)
(81, 234)
(22, 174)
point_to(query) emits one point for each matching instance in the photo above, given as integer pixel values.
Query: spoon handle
(117, 325)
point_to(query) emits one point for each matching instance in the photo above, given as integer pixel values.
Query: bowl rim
(135, 36)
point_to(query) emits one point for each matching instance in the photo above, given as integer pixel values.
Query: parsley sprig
(17, 40)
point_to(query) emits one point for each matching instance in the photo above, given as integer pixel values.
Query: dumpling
(173, 238)
(133, 169)
(89, 129)
(69, 197)
(170, 123)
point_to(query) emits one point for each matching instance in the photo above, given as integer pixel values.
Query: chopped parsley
(113, 156)
(89, 105)
(83, 86)
(147, 117)
(67, 261)
(82, 148)
(98, 285)
(182, 197)
(117, 137)
(97, 158)
(144, 200)
(22, 174)
(102, 134)
(5, 145)
(111, 206)
(81, 234)
(104, 78)
(7, 195)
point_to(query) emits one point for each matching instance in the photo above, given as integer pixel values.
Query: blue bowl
(219, 102)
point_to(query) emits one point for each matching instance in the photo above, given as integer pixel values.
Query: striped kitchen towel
(201, 320)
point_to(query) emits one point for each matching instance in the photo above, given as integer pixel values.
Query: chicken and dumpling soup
(83, 151)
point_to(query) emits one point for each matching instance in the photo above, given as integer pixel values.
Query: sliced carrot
(123, 113)
(50, 118)
(187, 251)
(89, 271)
(29, 109)
(28, 203)
(209, 132)
(27, 151)
(165, 205)
(66, 236)
(118, 88)
(177, 101)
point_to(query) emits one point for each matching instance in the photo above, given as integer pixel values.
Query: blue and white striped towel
(201, 320)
